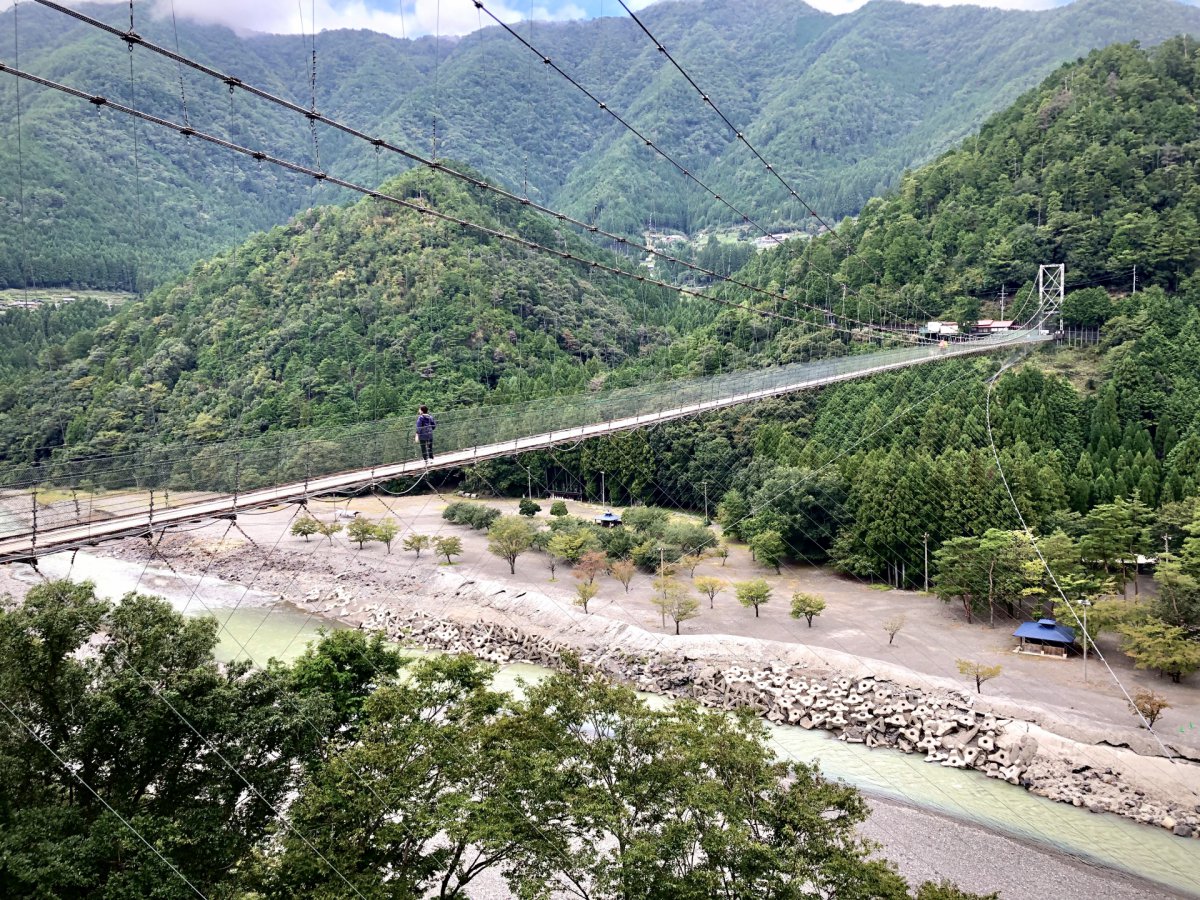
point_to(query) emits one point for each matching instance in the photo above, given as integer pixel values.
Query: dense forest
(1101, 445)
(842, 104)
(343, 315)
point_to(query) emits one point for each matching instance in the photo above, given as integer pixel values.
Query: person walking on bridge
(425, 426)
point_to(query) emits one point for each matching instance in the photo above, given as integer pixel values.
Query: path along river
(258, 626)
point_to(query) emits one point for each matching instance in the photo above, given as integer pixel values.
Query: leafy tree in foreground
(676, 802)
(807, 606)
(575, 786)
(558, 508)
(754, 593)
(418, 795)
(528, 507)
(102, 712)
(344, 666)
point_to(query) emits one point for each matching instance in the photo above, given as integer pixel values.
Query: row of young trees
(133, 765)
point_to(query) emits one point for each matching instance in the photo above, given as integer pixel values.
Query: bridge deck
(27, 546)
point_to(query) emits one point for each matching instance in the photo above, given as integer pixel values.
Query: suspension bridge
(250, 478)
(157, 488)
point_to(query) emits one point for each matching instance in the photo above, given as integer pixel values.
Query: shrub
(476, 515)
(646, 520)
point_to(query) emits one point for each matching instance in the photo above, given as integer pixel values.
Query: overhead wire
(381, 144)
(424, 209)
(641, 136)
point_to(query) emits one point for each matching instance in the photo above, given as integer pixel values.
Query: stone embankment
(943, 725)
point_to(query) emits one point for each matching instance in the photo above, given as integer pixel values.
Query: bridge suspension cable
(260, 156)
(379, 143)
(649, 142)
(742, 137)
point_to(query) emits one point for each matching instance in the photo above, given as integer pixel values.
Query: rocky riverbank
(944, 726)
(1109, 769)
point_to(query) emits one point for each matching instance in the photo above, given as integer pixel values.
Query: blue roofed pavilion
(1045, 636)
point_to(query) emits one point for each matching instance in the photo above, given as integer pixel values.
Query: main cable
(648, 142)
(379, 143)
(742, 137)
(260, 156)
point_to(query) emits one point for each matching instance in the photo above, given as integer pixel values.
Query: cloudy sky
(416, 17)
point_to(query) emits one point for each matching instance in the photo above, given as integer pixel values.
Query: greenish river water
(258, 626)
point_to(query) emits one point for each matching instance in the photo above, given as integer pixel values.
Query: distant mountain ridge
(841, 104)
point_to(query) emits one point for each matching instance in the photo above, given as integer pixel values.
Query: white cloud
(411, 18)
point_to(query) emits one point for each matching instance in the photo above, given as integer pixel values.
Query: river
(258, 625)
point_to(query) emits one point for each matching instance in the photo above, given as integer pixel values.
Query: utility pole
(1135, 279)
(601, 487)
(704, 484)
(529, 483)
(1003, 297)
(925, 537)
(1166, 546)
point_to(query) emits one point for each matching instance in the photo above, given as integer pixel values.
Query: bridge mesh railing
(83, 489)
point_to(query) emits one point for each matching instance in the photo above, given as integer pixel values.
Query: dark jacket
(425, 426)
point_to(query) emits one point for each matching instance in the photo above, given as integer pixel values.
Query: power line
(260, 156)
(742, 137)
(379, 143)
(648, 142)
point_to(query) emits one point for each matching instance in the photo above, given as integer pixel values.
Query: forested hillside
(841, 104)
(343, 315)
(1100, 444)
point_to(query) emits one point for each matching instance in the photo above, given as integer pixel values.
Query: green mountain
(342, 315)
(841, 104)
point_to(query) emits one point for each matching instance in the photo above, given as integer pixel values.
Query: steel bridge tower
(1052, 289)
